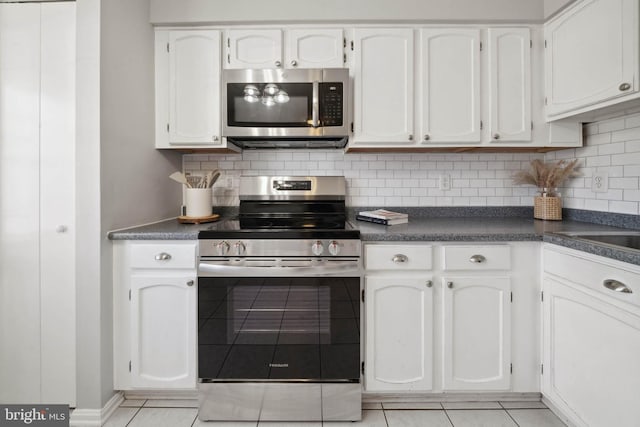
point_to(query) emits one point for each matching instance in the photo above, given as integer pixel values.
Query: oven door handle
(206, 269)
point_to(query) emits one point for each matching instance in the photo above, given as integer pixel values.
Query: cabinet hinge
(511, 368)
(344, 58)
(481, 125)
(542, 296)
(530, 44)
(228, 42)
(532, 125)
(511, 296)
(228, 58)
(363, 295)
(480, 46)
(351, 44)
(351, 127)
(167, 47)
(545, 44)
(344, 42)
(129, 365)
(362, 369)
(129, 300)
(542, 369)
(545, 100)
(167, 127)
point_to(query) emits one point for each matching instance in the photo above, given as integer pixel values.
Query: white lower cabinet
(155, 315)
(476, 333)
(399, 342)
(591, 339)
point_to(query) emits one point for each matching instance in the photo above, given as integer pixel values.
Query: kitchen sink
(625, 239)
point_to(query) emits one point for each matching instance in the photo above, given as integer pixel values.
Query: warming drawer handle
(400, 258)
(616, 286)
(163, 257)
(477, 259)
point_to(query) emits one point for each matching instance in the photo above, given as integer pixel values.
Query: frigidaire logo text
(278, 365)
(29, 415)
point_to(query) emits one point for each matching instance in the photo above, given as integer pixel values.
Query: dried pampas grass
(547, 175)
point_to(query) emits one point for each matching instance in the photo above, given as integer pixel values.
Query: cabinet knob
(449, 285)
(410, 137)
(163, 257)
(215, 138)
(477, 259)
(496, 136)
(624, 86)
(190, 283)
(278, 63)
(616, 286)
(427, 137)
(429, 283)
(294, 63)
(400, 258)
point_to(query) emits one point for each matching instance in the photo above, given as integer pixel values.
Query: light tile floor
(183, 413)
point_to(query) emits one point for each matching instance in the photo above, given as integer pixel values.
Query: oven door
(279, 329)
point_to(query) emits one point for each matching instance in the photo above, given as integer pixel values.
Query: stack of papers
(383, 216)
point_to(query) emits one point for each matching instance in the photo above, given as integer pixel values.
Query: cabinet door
(163, 331)
(254, 49)
(477, 331)
(383, 86)
(315, 48)
(450, 85)
(510, 79)
(591, 54)
(591, 350)
(399, 321)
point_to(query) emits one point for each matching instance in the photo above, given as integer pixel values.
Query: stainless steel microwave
(280, 108)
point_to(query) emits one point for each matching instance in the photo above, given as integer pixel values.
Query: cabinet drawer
(163, 256)
(477, 257)
(397, 257)
(593, 275)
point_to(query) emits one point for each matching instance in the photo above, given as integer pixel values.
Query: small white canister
(198, 202)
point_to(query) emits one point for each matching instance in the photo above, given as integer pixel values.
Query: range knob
(317, 248)
(240, 248)
(223, 248)
(334, 248)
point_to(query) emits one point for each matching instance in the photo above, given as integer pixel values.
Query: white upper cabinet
(477, 333)
(383, 74)
(509, 56)
(254, 48)
(591, 55)
(315, 48)
(188, 88)
(449, 85)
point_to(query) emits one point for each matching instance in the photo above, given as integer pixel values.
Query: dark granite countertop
(451, 228)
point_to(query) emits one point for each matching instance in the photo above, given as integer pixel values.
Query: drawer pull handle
(449, 285)
(399, 258)
(190, 283)
(616, 286)
(429, 283)
(163, 257)
(477, 259)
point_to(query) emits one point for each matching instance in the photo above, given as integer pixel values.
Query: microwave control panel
(331, 104)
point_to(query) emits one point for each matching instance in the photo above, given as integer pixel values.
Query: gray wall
(245, 11)
(553, 6)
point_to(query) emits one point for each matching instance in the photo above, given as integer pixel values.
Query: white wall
(245, 11)
(611, 146)
(134, 183)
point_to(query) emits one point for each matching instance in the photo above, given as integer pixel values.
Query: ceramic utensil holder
(198, 202)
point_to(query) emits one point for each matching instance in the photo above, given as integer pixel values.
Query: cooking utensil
(214, 177)
(179, 177)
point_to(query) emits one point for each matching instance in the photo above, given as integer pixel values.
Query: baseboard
(161, 394)
(369, 397)
(565, 419)
(96, 417)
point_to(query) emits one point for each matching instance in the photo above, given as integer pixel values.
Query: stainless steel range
(279, 294)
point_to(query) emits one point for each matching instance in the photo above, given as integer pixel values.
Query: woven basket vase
(549, 208)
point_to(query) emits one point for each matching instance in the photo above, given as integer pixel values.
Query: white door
(315, 48)
(194, 87)
(254, 49)
(591, 54)
(37, 148)
(399, 322)
(591, 353)
(510, 84)
(449, 79)
(163, 331)
(383, 86)
(477, 333)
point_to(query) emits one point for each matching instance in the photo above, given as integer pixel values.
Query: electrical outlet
(445, 182)
(600, 182)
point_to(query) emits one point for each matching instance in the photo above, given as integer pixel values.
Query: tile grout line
(509, 415)
(384, 414)
(134, 415)
(446, 413)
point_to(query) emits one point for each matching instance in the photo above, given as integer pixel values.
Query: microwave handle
(315, 105)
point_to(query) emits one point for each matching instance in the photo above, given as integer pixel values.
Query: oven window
(279, 328)
(269, 105)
